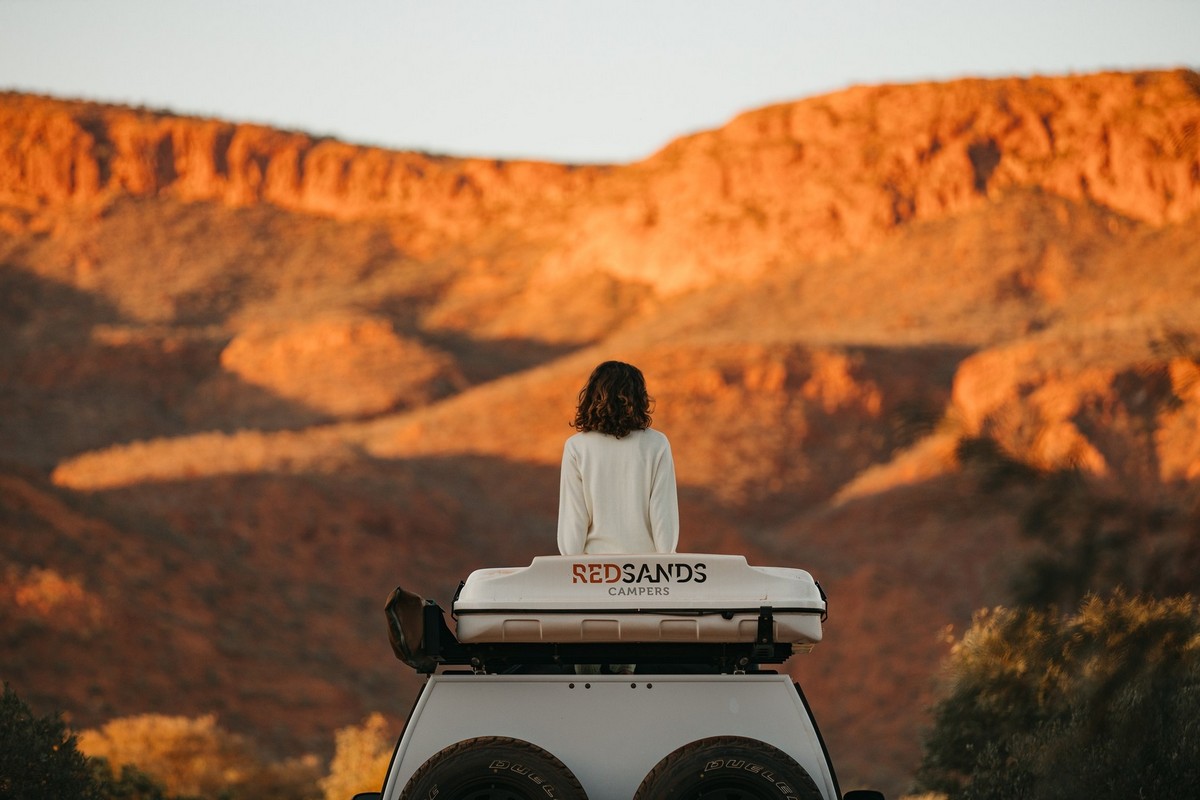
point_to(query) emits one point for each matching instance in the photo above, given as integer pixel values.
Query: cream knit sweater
(617, 495)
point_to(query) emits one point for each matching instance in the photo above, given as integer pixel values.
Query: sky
(567, 81)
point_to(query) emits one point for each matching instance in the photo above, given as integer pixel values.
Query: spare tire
(493, 768)
(728, 767)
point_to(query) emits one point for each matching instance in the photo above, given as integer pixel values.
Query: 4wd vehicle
(610, 678)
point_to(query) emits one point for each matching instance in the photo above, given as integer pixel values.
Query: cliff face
(835, 174)
(819, 177)
(55, 152)
(249, 379)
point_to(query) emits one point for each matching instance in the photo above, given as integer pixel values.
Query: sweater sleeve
(664, 504)
(572, 510)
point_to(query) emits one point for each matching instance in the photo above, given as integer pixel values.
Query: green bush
(128, 783)
(1103, 704)
(40, 759)
(38, 756)
(139, 758)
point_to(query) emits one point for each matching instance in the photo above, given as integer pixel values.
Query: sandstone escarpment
(1120, 406)
(834, 174)
(53, 152)
(818, 177)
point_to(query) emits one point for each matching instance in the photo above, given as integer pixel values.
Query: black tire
(493, 768)
(728, 768)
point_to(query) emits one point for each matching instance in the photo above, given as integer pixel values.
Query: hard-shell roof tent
(666, 608)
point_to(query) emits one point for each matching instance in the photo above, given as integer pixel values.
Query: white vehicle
(611, 678)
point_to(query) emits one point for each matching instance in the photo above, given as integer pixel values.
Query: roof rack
(421, 638)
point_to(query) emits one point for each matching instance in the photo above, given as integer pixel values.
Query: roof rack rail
(421, 639)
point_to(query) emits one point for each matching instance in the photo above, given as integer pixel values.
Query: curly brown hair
(614, 401)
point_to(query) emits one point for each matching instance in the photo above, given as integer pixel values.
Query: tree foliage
(38, 756)
(126, 783)
(1101, 704)
(194, 758)
(360, 760)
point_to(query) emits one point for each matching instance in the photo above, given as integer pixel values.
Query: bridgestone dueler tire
(728, 768)
(493, 768)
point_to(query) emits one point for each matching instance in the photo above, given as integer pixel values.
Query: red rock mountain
(250, 379)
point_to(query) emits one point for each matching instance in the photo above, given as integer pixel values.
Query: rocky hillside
(250, 379)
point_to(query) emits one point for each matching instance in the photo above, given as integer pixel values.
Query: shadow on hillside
(38, 311)
(918, 381)
(77, 376)
(484, 360)
(839, 411)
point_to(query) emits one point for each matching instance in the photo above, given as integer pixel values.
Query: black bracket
(764, 642)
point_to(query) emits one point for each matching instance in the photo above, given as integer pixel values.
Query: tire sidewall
(727, 762)
(516, 765)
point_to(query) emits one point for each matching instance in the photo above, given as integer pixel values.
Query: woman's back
(617, 487)
(618, 495)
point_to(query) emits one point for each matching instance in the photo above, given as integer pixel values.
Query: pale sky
(567, 81)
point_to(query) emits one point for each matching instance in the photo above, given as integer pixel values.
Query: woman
(617, 488)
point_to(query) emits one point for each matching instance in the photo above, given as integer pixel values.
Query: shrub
(360, 761)
(128, 783)
(293, 779)
(148, 757)
(1103, 704)
(191, 757)
(38, 755)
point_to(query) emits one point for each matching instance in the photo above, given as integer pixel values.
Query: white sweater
(617, 495)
